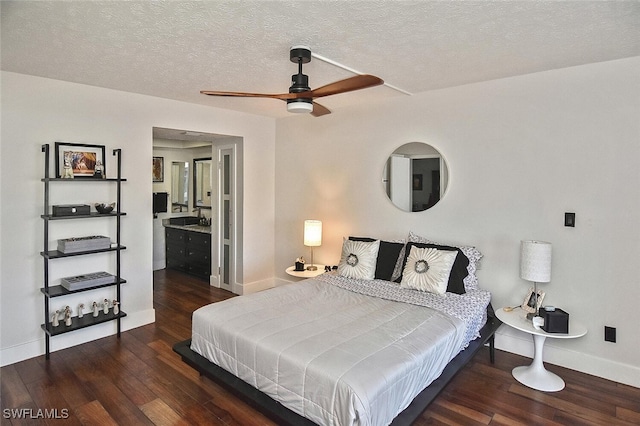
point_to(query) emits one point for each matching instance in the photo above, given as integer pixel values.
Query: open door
(226, 218)
(400, 182)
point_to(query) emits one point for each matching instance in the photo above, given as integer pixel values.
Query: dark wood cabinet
(188, 251)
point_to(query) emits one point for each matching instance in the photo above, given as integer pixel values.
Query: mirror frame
(195, 179)
(407, 158)
(185, 205)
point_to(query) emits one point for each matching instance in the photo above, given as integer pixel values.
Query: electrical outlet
(570, 220)
(609, 334)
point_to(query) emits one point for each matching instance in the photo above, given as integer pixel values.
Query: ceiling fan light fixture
(300, 98)
(299, 106)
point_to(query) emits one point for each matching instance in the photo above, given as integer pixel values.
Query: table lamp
(535, 265)
(312, 238)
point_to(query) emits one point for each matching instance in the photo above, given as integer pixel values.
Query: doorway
(216, 200)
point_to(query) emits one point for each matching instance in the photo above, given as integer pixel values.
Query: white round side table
(535, 375)
(291, 270)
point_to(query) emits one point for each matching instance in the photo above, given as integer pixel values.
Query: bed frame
(283, 416)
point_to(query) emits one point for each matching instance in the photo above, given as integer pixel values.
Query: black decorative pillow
(458, 272)
(388, 256)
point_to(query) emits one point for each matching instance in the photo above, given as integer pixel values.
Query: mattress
(331, 350)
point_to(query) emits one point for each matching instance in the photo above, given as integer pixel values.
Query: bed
(341, 349)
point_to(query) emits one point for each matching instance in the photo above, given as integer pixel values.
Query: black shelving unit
(50, 292)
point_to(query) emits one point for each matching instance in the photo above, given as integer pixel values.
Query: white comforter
(332, 355)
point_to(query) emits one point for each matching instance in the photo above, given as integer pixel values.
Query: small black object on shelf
(70, 209)
(104, 208)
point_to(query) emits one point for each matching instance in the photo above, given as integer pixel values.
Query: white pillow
(358, 259)
(472, 253)
(428, 269)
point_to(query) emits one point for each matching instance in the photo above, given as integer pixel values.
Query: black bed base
(283, 416)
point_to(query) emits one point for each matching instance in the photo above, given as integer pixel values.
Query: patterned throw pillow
(428, 269)
(358, 259)
(472, 253)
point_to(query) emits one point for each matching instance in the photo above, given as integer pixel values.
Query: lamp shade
(312, 233)
(535, 261)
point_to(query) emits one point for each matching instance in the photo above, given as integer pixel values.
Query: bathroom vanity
(188, 248)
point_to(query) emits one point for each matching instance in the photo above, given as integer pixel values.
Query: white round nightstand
(291, 270)
(535, 375)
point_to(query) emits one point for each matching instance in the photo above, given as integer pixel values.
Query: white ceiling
(174, 49)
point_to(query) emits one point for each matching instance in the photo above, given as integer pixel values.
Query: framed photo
(158, 169)
(530, 304)
(80, 160)
(417, 182)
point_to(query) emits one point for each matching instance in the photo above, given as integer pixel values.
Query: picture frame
(82, 159)
(158, 169)
(528, 304)
(417, 182)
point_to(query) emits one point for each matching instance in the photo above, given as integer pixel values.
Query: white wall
(36, 111)
(521, 151)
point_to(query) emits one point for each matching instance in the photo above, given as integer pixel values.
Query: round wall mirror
(415, 177)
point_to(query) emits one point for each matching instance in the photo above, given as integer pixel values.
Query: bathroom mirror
(415, 177)
(179, 186)
(202, 182)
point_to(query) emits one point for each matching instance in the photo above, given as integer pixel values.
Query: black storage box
(71, 209)
(556, 321)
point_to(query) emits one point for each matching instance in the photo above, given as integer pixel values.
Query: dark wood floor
(139, 380)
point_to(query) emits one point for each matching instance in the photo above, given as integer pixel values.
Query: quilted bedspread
(332, 354)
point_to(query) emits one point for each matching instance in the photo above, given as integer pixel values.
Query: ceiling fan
(300, 97)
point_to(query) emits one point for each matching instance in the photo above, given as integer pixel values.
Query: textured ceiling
(174, 49)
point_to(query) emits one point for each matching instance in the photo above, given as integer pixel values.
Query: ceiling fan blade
(319, 110)
(283, 96)
(347, 85)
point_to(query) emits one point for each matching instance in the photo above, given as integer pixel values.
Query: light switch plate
(570, 220)
(609, 334)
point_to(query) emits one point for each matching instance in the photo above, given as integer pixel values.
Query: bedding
(358, 259)
(428, 269)
(337, 350)
(389, 261)
(459, 270)
(470, 252)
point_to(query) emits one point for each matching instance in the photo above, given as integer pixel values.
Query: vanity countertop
(194, 228)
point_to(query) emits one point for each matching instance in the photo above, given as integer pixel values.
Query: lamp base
(312, 268)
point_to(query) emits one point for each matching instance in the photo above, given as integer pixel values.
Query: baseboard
(35, 348)
(257, 286)
(516, 342)
(214, 281)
